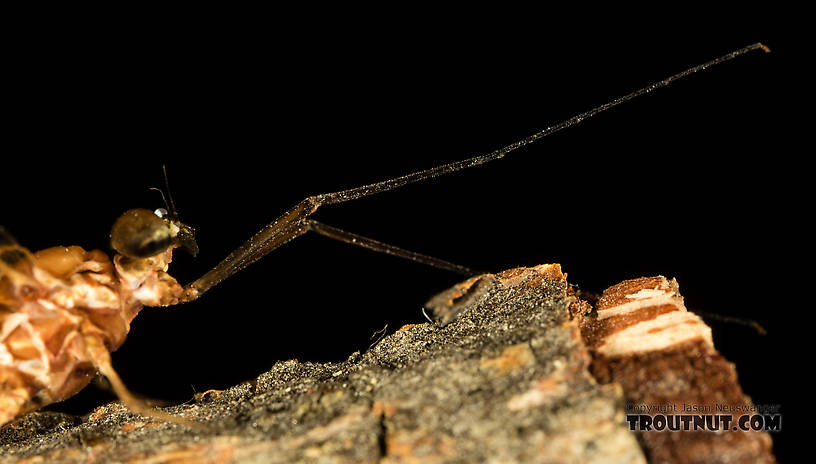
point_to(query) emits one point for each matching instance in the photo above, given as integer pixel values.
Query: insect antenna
(161, 192)
(172, 207)
(186, 235)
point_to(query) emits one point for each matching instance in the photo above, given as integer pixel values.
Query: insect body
(64, 309)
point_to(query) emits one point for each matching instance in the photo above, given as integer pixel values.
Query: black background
(696, 181)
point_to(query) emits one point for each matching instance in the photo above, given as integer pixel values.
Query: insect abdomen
(48, 301)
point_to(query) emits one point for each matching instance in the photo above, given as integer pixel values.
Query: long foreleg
(375, 245)
(294, 222)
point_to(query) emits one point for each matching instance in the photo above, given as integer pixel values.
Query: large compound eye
(140, 233)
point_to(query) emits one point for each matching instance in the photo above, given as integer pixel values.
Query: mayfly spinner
(63, 310)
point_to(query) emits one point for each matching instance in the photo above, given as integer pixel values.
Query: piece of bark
(506, 380)
(506, 375)
(643, 338)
